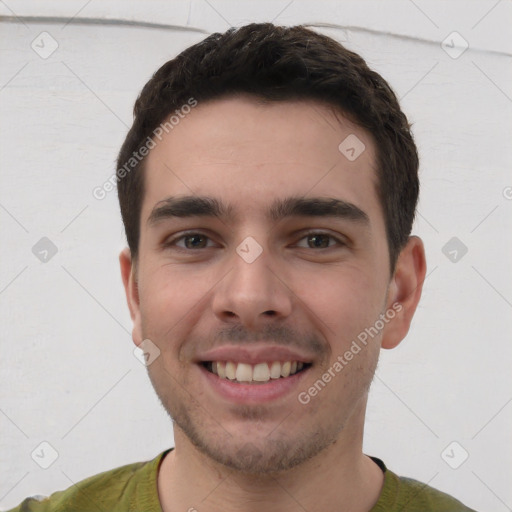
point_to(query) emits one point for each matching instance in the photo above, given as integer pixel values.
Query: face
(262, 260)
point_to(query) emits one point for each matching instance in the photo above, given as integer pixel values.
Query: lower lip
(253, 393)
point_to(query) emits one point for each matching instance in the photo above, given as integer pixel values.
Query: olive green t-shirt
(133, 488)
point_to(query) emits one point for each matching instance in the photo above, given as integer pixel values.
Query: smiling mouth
(260, 373)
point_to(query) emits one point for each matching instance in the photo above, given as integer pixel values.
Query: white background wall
(69, 376)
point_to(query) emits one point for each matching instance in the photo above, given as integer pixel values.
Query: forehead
(250, 153)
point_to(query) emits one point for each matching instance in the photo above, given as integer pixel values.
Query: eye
(191, 240)
(320, 240)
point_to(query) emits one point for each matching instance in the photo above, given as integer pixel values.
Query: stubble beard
(270, 452)
(268, 455)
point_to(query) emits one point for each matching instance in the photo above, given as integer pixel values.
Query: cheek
(170, 301)
(345, 300)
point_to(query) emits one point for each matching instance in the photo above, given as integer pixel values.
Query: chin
(250, 454)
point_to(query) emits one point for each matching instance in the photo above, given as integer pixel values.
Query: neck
(340, 477)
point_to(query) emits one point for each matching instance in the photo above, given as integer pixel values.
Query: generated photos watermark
(100, 192)
(304, 397)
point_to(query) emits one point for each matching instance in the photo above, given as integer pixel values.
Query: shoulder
(112, 490)
(430, 497)
(402, 493)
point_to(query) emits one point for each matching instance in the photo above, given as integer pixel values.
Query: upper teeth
(261, 372)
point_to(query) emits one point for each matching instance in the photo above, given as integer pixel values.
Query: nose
(253, 292)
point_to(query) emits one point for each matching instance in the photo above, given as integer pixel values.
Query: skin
(282, 454)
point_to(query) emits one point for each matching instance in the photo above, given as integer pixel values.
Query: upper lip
(253, 354)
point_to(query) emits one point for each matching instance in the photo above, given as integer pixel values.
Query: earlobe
(405, 291)
(129, 276)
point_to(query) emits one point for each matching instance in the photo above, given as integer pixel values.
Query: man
(268, 188)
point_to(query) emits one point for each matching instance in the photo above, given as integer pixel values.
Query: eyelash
(172, 243)
(340, 243)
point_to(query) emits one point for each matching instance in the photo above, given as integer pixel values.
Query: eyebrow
(188, 206)
(202, 206)
(316, 207)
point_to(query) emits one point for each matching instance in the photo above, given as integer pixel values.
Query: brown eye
(318, 241)
(195, 241)
(190, 240)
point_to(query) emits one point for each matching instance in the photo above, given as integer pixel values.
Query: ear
(129, 275)
(404, 291)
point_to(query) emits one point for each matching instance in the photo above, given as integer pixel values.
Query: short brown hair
(276, 63)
